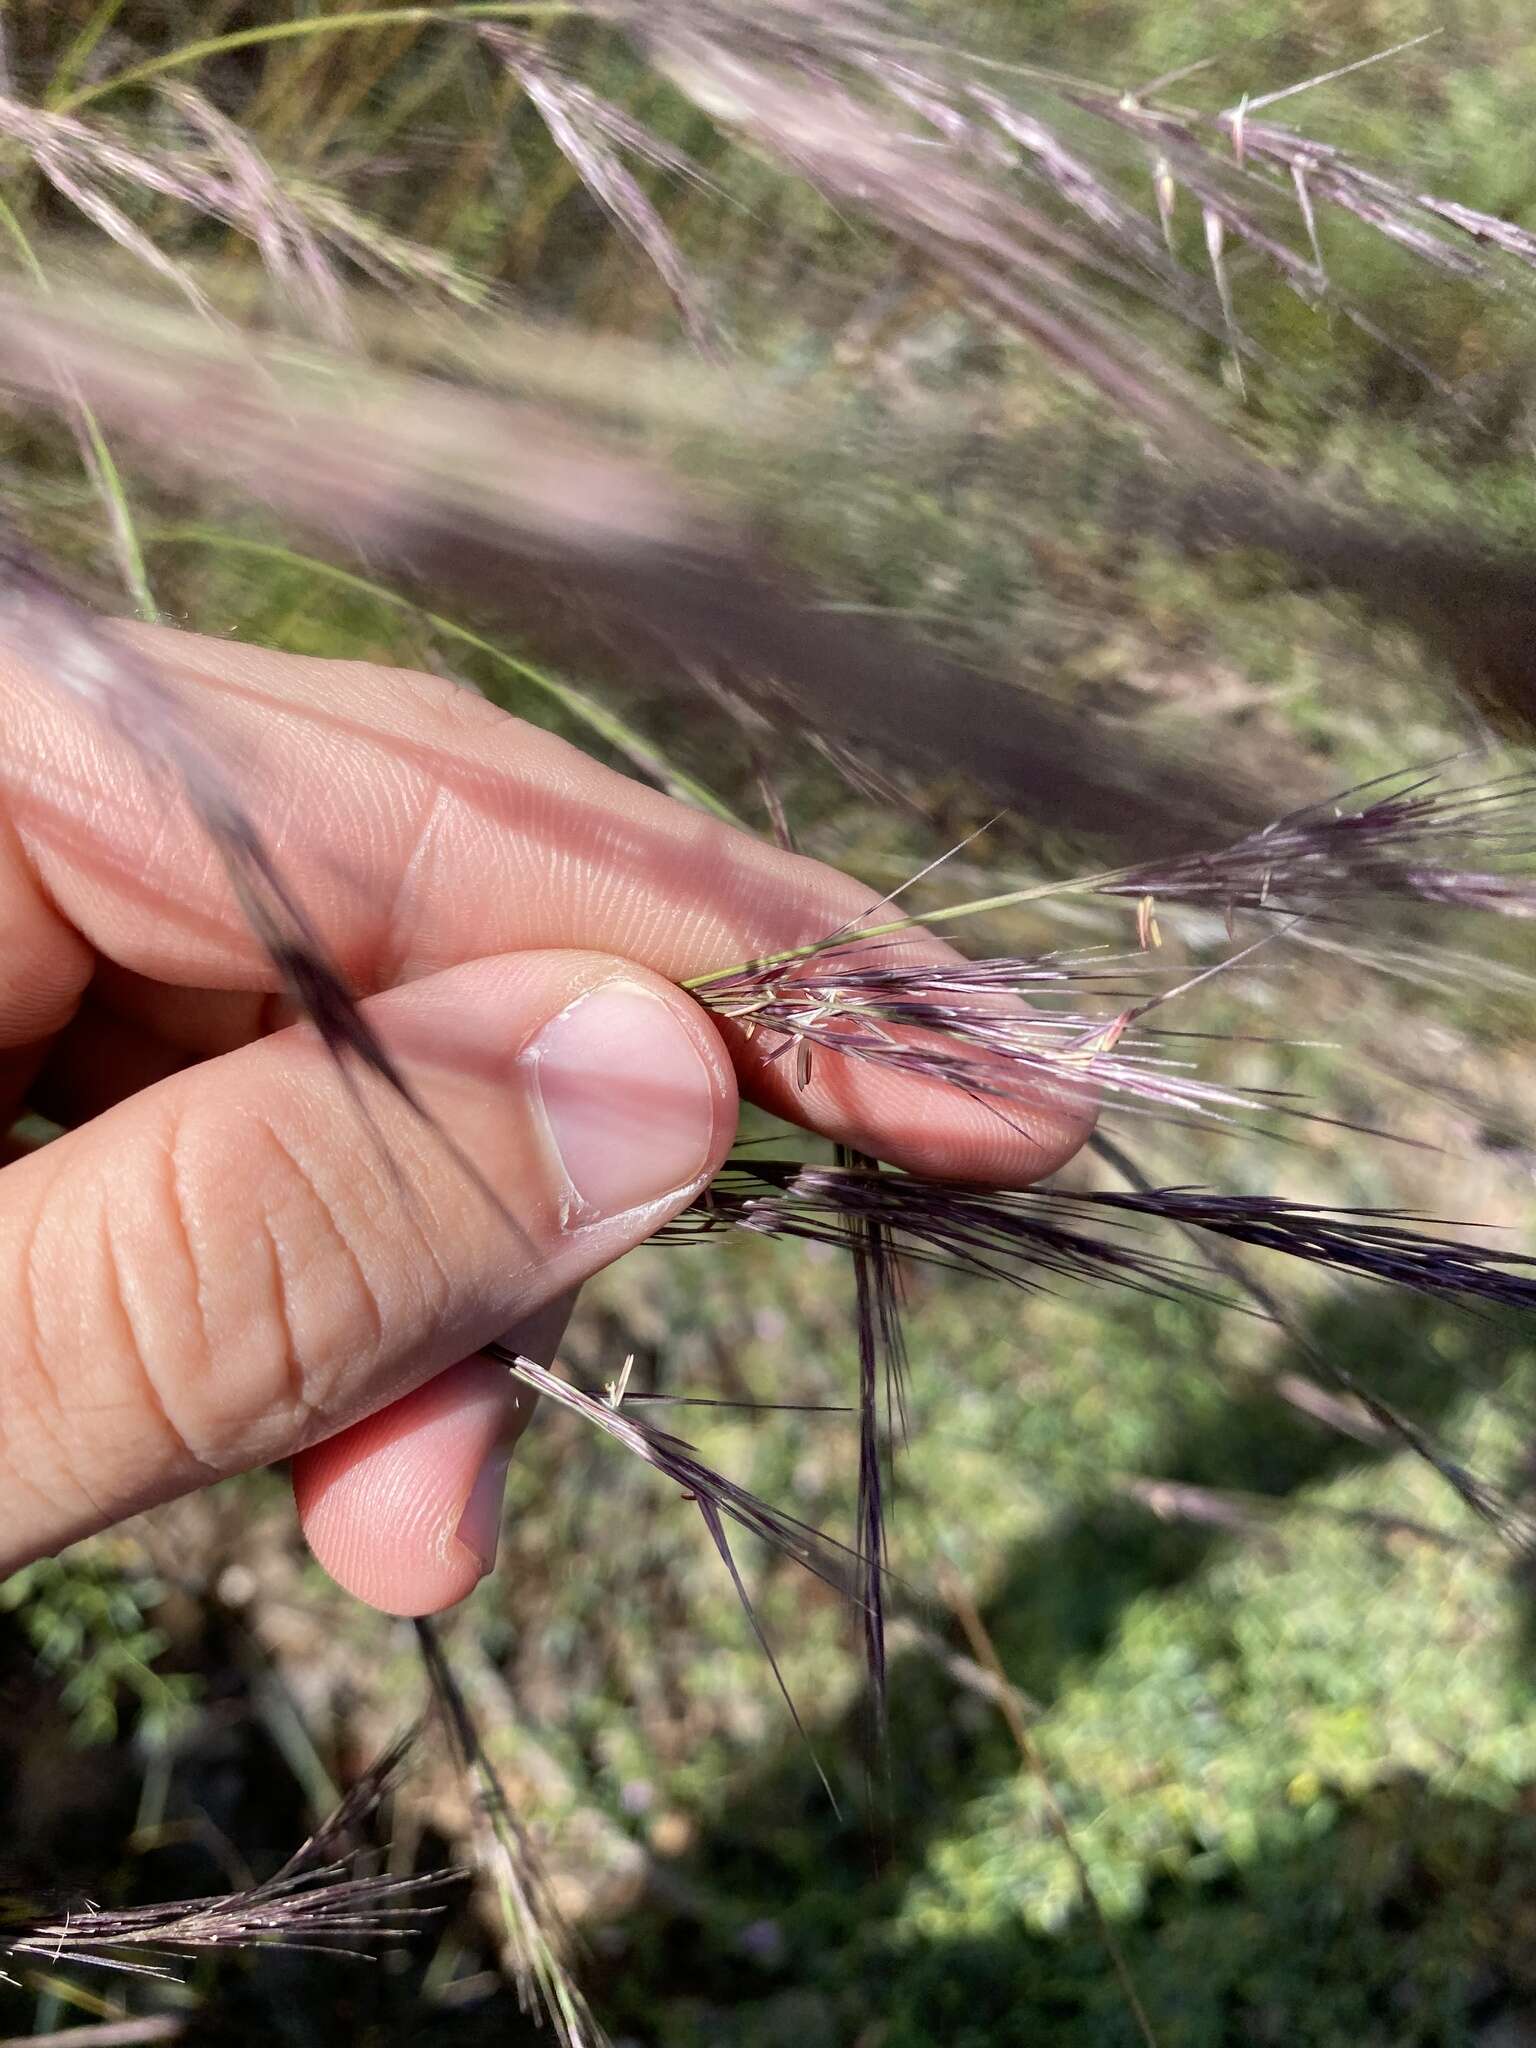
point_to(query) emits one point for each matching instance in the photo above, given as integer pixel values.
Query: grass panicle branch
(595, 137)
(1043, 208)
(1034, 1238)
(1000, 192)
(319, 1900)
(965, 1027)
(538, 1939)
(463, 491)
(1407, 840)
(1020, 1234)
(678, 1462)
(882, 1417)
(718, 1499)
(216, 172)
(1011, 1028)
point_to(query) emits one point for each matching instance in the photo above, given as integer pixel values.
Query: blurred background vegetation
(1277, 1682)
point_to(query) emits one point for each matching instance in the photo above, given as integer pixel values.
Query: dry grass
(440, 452)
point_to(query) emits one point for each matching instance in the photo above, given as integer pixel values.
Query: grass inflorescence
(1050, 212)
(321, 1899)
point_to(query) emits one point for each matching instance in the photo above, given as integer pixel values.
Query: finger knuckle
(297, 1279)
(85, 1376)
(193, 1304)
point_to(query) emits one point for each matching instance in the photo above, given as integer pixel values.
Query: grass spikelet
(317, 1901)
(1020, 1235)
(1032, 1238)
(1248, 174)
(678, 1462)
(218, 173)
(1376, 1244)
(1021, 1232)
(718, 1500)
(590, 133)
(291, 251)
(882, 1415)
(964, 1026)
(1406, 840)
(77, 162)
(538, 1938)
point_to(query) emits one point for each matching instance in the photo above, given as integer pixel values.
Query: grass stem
(596, 717)
(104, 473)
(187, 55)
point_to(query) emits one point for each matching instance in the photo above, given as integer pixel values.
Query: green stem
(186, 54)
(596, 717)
(946, 914)
(101, 467)
(74, 59)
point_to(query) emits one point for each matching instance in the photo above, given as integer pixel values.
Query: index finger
(423, 827)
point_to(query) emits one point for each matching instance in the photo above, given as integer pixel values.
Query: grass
(591, 717)
(199, 50)
(1278, 1683)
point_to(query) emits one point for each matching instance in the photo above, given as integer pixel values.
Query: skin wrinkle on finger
(165, 1353)
(513, 839)
(416, 843)
(33, 1427)
(56, 1416)
(299, 1411)
(359, 1279)
(124, 1309)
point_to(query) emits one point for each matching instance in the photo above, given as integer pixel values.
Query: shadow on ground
(1405, 1919)
(1409, 1918)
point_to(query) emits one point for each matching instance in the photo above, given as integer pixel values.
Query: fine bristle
(1032, 1238)
(317, 1901)
(1407, 835)
(538, 1939)
(882, 1416)
(911, 484)
(1021, 1232)
(718, 1500)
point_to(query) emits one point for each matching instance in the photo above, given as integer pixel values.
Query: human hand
(217, 1266)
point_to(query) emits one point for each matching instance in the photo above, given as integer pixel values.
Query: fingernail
(628, 1101)
(479, 1527)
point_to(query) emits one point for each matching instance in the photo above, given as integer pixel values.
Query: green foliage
(1294, 1755)
(87, 1619)
(1296, 1749)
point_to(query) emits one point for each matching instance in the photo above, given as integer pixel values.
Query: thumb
(404, 1509)
(230, 1265)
